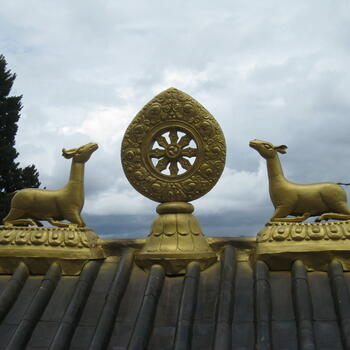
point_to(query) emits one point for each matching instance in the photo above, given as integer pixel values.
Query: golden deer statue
(30, 205)
(326, 199)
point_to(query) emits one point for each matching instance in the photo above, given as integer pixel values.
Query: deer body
(28, 206)
(301, 201)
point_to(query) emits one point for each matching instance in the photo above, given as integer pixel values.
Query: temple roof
(237, 303)
(63, 287)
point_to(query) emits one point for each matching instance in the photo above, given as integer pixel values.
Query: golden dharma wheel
(174, 150)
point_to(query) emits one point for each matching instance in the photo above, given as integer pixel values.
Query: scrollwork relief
(273, 231)
(173, 150)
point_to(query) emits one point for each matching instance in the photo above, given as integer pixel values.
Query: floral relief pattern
(173, 153)
(304, 231)
(173, 150)
(48, 236)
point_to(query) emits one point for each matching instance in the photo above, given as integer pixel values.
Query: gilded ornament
(174, 152)
(71, 247)
(326, 200)
(171, 134)
(304, 231)
(279, 244)
(31, 205)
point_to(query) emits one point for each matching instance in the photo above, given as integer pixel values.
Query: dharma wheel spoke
(173, 136)
(157, 153)
(185, 163)
(189, 152)
(162, 141)
(173, 151)
(162, 164)
(184, 141)
(174, 169)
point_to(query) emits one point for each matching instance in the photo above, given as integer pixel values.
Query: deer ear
(281, 149)
(68, 153)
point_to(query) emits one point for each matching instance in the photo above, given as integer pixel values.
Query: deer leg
(83, 222)
(335, 216)
(14, 214)
(57, 223)
(21, 222)
(342, 212)
(75, 218)
(15, 217)
(281, 213)
(38, 223)
(80, 222)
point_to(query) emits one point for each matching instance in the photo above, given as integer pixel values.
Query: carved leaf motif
(162, 141)
(170, 113)
(185, 163)
(184, 141)
(162, 164)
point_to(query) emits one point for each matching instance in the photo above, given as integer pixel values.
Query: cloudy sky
(273, 70)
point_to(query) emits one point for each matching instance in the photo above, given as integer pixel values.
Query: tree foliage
(12, 176)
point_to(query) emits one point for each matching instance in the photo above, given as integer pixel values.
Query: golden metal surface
(303, 232)
(279, 244)
(29, 206)
(326, 199)
(72, 247)
(173, 150)
(176, 239)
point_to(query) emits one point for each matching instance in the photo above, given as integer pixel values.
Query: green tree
(12, 177)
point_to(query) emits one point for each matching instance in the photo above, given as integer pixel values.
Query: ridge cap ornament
(70, 242)
(29, 206)
(327, 200)
(173, 152)
(286, 237)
